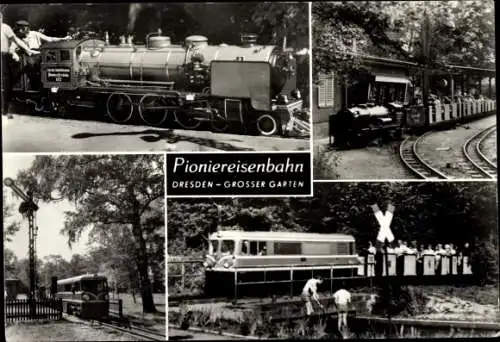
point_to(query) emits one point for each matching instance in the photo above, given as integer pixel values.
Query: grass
(60, 331)
(487, 294)
(325, 163)
(133, 310)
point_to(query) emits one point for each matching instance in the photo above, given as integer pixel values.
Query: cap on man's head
(22, 23)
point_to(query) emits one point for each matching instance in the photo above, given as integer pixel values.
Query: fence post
(183, 274)
(60, 308)
(120, 308)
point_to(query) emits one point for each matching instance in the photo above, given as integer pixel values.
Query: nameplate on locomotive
(239, 174)
(58, 74)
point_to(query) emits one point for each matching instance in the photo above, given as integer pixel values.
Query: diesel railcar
(85, 296)
(253, 260)
(251, 85)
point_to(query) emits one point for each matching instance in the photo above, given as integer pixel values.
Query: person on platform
(7, 38)
(342, 300)
(371, 248)
(310, 291)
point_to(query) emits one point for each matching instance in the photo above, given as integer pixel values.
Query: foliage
(453, 32)
(117, 196)
(429, 213)
(177, 20)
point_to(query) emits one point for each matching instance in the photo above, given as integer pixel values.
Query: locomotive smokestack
(248, 39)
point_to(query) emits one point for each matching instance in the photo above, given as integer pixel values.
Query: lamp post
(28, 209)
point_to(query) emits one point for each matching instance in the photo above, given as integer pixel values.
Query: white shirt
(311, 287)
(342, 297)
(372, 250)
(7, 36)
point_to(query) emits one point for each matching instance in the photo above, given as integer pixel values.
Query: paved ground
(383, 162)
(25, 133)
(443, 149)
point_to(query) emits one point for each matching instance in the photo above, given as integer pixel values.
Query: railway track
(414, 162)
(476, 164)
(136, 332)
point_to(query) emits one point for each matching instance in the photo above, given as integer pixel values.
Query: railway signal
(28, 209)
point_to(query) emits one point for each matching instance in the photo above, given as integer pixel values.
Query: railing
(411, 265)
(116, 307)
(461, 109)
(183, 273)
(19, 309)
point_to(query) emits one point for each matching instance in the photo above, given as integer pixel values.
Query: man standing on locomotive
(8, 37)
(309, 291)
(34, 40)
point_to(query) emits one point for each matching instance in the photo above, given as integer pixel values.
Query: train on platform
(249, 85)
(384, 103)
(240, 263)
(85, 296)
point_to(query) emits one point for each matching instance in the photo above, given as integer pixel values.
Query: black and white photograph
(84, 247)
(156, 77)
(404, 90)
(356, 260)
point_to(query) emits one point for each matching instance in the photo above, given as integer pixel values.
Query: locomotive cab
(61, 67)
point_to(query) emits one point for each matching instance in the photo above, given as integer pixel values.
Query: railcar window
(287, 248)
(67, 287)
(227, 247)
(65, 56)
(51, 56)
(94, 286)
(245, 247)
(258, 248)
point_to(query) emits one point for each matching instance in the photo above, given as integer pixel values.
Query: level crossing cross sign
(384, 220)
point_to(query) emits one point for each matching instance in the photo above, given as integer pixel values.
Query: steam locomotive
(250, 85)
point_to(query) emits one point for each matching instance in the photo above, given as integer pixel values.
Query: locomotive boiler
(252, 85)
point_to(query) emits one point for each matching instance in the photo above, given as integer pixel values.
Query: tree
(458, 32)
(106, 190)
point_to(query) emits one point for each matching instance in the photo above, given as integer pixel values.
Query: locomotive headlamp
(86, 297)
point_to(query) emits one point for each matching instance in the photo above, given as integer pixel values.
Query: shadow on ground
(155, 135)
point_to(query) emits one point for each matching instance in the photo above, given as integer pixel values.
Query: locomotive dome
(196, 40)
(159, 42)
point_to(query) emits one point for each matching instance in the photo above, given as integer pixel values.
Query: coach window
(257, 247)
(287, 248)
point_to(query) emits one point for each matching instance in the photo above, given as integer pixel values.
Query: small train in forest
(85, 296)
(249, 85)
(242, 263)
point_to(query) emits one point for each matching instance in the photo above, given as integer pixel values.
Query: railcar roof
(71, 44)
(81, 277)
(295, 236)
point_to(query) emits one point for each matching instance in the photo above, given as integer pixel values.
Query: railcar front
(85, 296)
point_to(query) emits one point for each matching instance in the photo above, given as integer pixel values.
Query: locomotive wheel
(267, 125)
(182, 118)
(219, 125)
(119, 107)
(149, 114)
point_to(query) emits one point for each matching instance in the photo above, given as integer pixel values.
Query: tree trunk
(148, 305)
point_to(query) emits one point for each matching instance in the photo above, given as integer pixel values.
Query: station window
(287, 248)
(65, 56)
(326, 91)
